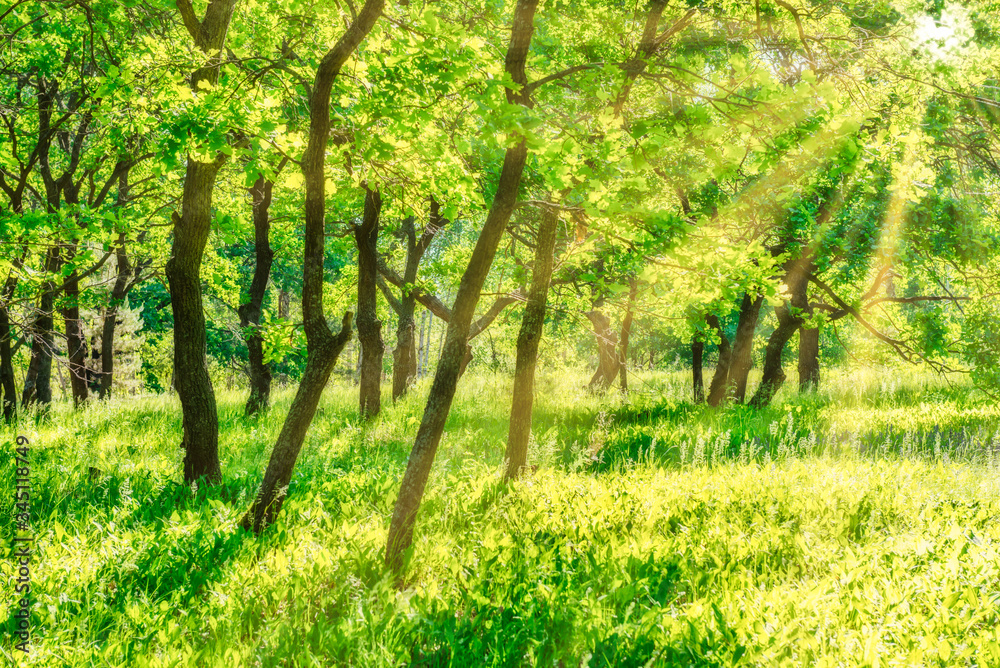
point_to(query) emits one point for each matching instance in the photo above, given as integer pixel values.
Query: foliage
(870, 542)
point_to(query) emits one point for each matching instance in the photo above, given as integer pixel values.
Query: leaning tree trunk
(720, 379)
(809, 360)
(789, 320)
(742, 360)
(774, 375)
(322, 346)
(369, 327)
(697, 355)
(251, 312)
(532, 326)
(626, 334)
(446, 377)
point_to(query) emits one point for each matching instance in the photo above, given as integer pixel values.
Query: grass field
(855, 527)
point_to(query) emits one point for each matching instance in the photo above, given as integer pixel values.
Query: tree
(183, 270)
(323, 346)
(446, 376)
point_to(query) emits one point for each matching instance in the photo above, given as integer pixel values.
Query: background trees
(734, 186)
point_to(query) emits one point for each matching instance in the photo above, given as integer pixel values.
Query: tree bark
(742, 355)
(191, 379)
(405, 362)
(697, 355)
(8, 384)
(322, 346)
(76, 346)
(626, 334)
(183, 270)
(369, 327)
(720, 379)
(809, 360)
(789, 316)
(528, 340)
(446, 377)
(607, 351)
(38, 380)
(250, 313)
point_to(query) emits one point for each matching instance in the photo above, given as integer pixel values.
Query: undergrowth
(853, 527)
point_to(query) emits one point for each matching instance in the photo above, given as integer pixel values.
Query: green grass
(855, 527)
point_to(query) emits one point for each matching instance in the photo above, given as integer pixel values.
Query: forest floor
(858, 526)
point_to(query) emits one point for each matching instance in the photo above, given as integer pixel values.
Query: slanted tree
(446, 376)
(323, 347)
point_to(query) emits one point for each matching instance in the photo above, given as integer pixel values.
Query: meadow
(853, 527)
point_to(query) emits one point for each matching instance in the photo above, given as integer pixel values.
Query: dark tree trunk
(720, 379)
(626, 333)
(76, 346)
(405, 363)
(528, 340)
(446, 377)
(369, 326)
(697, 355)
(774, 375)
(8, 384)
(251, 312)
(809, 360)
(183, 269)
(789, 320)
(194, 385)
(607, 351)
(124, 280)
(322, 346)
(38, 381)
(742, 355)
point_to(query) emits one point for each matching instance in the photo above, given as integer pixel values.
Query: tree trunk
(809, 360)
(421, 351)
(251, 312)
(284, 305)
(774, 375)
(528, 340)
(191, 379)
(446, 377)
(607, 351)
(76, 346)
(183, 270)
(403, 357)
(8, 383)
(720, 380)
(38, 381)
(742, 355)
(322, 346)
(405, 362)
(789, 316)
(626, 333)
(369, 327)
(697, 353)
